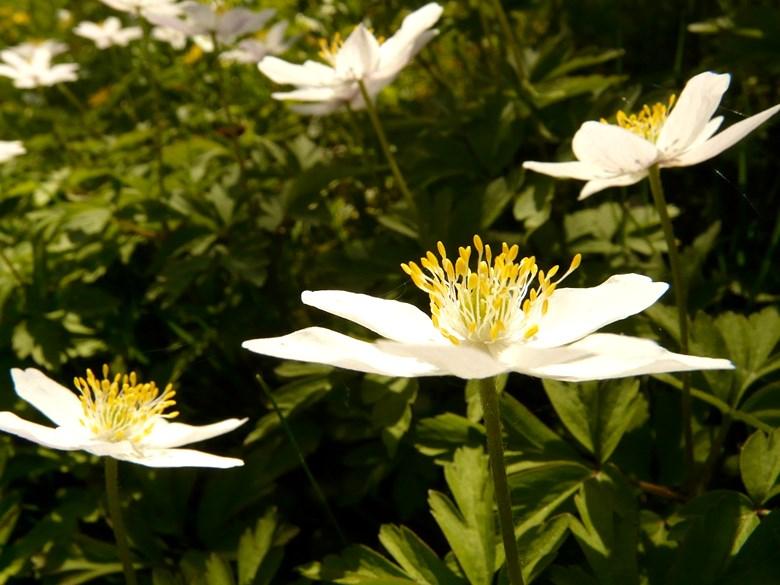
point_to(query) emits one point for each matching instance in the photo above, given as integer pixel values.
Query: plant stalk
(656, 188)
(489, 398)
(117, 524)
(388, 152)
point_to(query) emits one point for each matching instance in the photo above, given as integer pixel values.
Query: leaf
(497, 196)
(539, 546)
(764, 404)
(255, 545)
(597, 414)
(392, 400)
(526, 433)
(357, 565)
(759, 464)
(218, 571)
(468, 523)
(443, 434)
(416, 557)
(757, 562)
(533, 204)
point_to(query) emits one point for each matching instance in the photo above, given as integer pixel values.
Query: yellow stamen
(648, 122)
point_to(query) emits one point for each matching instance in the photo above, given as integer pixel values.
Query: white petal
(323, 346)
(166, 434)
(59, 438)
(618, 356)
(613, 149)
(689, 116)
(392, 319)
(358, 56)
(321, 109)
(180, 458)
(566, 170)
(573, 313)
(464, 361)
(59, 404)
(596, 185)
(720, 142)
(413, 35)
(240, 21)
(309, 74)
(307, 94)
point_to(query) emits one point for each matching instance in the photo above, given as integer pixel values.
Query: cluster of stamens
(496, 302)
(119, 408)
(329, 49)
(648, 122)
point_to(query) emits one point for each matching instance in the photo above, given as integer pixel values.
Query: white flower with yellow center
(677, 134)
(108, 33)
(361, 57)
(30, 65)
(117, 417)
(503, 315)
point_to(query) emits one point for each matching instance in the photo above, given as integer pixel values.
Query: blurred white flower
(10, 149)
(205, 22)
(359, 58)
(505, 316)
(145, 8)
(173, 37)
(29, 65)
(108, 33)
(677, 134)
(253, 50)
(115, 416)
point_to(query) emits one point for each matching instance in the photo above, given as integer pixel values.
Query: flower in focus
(173, 37)
(145, 8)
(361, 57)
(29, 65)
(10, 149)
(204, 23)
(679, 133)
(253, 50)
(506, 315)
(117, 417)
(108, 33)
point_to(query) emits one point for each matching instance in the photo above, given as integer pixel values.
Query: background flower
(108, 33)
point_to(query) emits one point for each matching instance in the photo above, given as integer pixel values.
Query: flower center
(496, 302)
(648, 122)
(328, 50)
(121, 408)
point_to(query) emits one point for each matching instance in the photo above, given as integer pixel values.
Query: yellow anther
(531, 331)
(648, 122)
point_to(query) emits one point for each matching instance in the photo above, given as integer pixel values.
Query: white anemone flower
(145, 8)
(29, 65)
(117, 417)
(362, 57)
(108, 33)
(204, 23)
(677, 134)
(505, 316)
(253, 50)
(173, 37)
(10, 149)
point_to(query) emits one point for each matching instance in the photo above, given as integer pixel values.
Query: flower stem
(115, 511)
(380, 133)
(489, 398)
(301, 458)
(656, 188)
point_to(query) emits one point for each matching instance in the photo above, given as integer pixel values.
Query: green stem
(656, 188)
(115, 511)
(380, 133)
(301, 458)
(489, 398)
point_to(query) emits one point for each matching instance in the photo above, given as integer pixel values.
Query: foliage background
(103, 262)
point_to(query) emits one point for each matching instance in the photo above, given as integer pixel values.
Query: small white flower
(145, 8)
(29, 65)
(505, 316)
(10, 149)
(173, 37)
(360, 58)
(253, 50)
(115, 416)
(204, 22)
(668, 135)
(108, 33)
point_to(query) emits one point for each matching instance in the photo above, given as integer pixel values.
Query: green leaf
(443, 434)
(526, 433)
(757, 562)
(759, 464)
(255, 545)
(416, 557)
(468, 523)
(218, 571)
(539, 546)
(597, 414)
(357, 565)
(764, 404)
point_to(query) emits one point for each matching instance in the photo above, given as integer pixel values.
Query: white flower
(10, 149)
(674, 135)
(117, 417)
(360, 58)
(108, 33)
(173, 37)
(505, 316)
(204, 23)
(253, 50)
(145, 8)
(29, 65)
